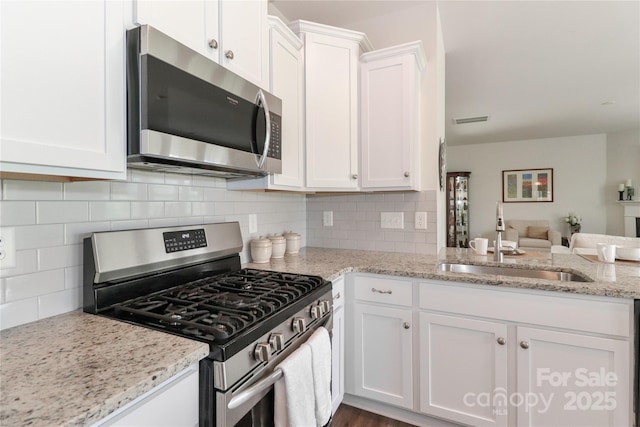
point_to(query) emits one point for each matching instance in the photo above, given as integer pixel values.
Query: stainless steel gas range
(188, 281)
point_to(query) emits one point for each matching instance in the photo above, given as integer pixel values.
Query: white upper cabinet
(331, 104)
(286, 73)
(230, 32)
(244, 38)
(287, 83)
(63, 89)
(390, 117)
(193, 23)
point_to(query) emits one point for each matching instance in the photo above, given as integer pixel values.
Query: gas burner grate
(218, 307)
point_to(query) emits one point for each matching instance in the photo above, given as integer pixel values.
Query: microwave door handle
(262, 100)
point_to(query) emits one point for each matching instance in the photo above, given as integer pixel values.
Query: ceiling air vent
(470, 120)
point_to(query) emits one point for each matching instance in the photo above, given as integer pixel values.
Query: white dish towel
(294, 393)
(320, 344)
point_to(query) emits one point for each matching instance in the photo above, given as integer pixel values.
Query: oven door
(251, 402)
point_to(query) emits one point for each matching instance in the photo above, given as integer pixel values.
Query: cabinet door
(572, 380)
(331, 112)
(463, 365)
(287, 83)
(172, 404)
(389, 123)
(245, 39)
(62, 85)
(383, 354)
(193, 23)
(337, 359)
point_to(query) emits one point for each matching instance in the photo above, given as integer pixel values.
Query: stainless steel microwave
(185, 113)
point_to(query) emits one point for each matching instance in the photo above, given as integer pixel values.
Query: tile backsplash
(357, 224)
(52, 218)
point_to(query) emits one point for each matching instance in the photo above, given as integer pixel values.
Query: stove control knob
(326, 306)
(262, 352)
(276, 341)
(316, 312)
(298, 324)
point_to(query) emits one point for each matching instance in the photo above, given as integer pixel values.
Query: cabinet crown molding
(301, 26)
(276, 24)
(412, 48)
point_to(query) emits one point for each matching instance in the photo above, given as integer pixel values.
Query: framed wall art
(527, 185)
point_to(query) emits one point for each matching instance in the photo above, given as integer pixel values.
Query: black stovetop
(227, 310)
(217, 308)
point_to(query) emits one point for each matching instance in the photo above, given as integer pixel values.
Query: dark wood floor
(348, 416)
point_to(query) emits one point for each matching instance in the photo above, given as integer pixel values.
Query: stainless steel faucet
(497, 252)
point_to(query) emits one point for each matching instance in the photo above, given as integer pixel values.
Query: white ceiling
(538, 69)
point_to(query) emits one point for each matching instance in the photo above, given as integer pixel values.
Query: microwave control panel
(275, 147)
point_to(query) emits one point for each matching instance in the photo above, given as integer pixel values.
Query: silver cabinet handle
(354, 176)
(524, 344)
(262, 100)
(229, 54)
(406, 174)
(502, 341)
(337, 296)
(213, 44)
(406, 325)
(380, 292)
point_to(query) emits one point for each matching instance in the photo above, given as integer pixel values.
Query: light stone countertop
(620, 280)
(76, 368)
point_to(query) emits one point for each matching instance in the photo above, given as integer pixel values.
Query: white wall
(51, 219)
(623, 162)
(579, 175)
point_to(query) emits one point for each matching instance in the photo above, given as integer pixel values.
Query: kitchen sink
(510, 271)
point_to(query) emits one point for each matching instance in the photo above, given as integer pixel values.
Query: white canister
(278, 246)
(293, 242)
(261, 250)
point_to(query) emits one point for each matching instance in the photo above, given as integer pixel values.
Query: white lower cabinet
(383, 354)
(382, 341)
(532, 359)
(173, 403)
(461, 362)
(337, 345)
(487, 355)
(572, 379)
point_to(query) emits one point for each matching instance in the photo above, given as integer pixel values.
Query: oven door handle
(255, 389)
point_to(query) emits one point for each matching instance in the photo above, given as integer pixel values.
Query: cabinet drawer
(382, 290)
(338, 292)
(567, 312)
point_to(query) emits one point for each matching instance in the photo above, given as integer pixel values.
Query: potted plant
(574, 222)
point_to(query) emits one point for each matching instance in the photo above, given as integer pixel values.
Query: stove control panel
(175, 241)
